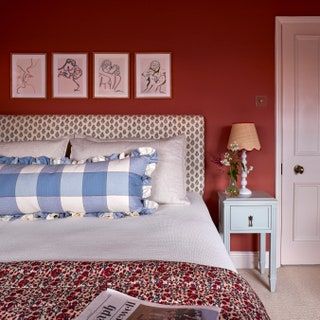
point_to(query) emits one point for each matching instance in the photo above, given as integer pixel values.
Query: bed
(53, 269)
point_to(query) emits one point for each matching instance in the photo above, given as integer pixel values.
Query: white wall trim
(297, 19)
(280, 21)
(247, 259)
(278, 124)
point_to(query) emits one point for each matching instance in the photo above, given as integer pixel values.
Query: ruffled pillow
(33, 160)
(114, 188)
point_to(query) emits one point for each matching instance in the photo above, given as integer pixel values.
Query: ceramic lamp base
(245, 192)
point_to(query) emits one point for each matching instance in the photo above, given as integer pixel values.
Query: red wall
(223, 55)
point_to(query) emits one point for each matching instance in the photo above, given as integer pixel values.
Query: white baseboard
(247, 259)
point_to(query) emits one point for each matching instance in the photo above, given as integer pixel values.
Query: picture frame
(153, 75)
(28, 75)
(111, 75)
(70, 75)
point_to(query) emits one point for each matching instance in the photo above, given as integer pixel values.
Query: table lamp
(246, 137)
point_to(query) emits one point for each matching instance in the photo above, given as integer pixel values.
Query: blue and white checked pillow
(33, 160)
(120, 185)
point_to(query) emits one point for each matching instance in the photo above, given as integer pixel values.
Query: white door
(300, 71)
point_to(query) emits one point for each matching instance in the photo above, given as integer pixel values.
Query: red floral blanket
(61, 290)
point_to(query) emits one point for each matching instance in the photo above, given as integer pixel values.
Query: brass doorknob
(298, 169)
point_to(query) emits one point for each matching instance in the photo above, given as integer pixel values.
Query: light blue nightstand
(254, 214)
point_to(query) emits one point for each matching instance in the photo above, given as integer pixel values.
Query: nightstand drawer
(250, 218)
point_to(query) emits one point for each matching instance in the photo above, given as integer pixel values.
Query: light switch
(261, 101)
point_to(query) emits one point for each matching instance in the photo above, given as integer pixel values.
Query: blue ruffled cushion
(33, 160)
(117, 187)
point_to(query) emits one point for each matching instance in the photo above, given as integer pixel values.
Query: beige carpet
(297, 296)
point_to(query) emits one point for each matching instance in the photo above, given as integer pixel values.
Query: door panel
(306, 84)
(306, 226)
(300, 242)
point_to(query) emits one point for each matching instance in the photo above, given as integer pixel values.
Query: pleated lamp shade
(245, 135)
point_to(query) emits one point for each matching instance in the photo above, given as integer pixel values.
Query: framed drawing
(70, 75)
(153, 75)
(28, 75)
(111, 75)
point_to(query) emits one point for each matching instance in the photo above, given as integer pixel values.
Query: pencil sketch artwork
(70, 70)
(70, 75)
(153, 75)
(109, 76)
(154, 78)
(28, 76)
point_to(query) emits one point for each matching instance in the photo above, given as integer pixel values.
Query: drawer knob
(250, 218)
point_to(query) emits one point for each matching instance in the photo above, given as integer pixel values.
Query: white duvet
(173, 233)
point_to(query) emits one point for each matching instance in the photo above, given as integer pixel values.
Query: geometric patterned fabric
(38, 127)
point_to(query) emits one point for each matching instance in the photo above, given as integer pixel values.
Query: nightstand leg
(226, 240)
(272, 263)
(262, 253)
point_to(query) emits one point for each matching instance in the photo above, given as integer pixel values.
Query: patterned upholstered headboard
(37, 127)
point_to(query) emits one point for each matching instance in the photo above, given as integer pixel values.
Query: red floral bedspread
(61, 290)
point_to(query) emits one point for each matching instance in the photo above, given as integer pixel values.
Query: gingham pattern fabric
(33, 160)
(120, 184)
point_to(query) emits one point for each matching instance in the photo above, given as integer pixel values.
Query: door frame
(280, 21)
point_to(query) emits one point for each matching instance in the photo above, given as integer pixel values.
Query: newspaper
(111, 304)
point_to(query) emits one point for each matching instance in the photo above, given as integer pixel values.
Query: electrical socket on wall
(261, 101)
